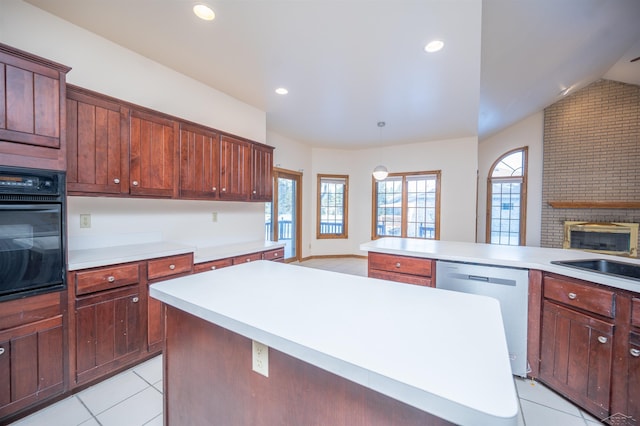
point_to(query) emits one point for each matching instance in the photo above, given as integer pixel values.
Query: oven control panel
(29, 181)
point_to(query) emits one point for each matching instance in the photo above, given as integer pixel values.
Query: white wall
(105, 67)
(527, 132)
(455, 158)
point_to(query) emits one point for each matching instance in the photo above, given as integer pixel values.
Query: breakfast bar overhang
(343, 350)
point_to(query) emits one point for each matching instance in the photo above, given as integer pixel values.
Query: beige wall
(527, 132)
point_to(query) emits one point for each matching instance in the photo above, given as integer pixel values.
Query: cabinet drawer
(400, 264)
(401, 278)
(168, 266)
(251, 257)
(580, 295)
(106, 278)
(212, 265)
(276, 254)
(635, 312)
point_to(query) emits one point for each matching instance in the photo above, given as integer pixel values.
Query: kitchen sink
(603, 266)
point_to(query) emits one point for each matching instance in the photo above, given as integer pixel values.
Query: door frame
(297, 177)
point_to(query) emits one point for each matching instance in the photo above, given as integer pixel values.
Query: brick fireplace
(591, 168)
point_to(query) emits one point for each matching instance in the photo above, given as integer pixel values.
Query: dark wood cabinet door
(235, 169)
(262, 173)
(97, 144)
(32, 110)
(576, 356)
(199, 162)
(153, 156)
(108, 333)
(31, 364)
(633, 377)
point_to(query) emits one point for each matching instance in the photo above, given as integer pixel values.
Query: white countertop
(103, 256)
(443, 352)
(512, 256)
(207, 254)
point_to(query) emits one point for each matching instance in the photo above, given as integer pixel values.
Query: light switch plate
(85, 220)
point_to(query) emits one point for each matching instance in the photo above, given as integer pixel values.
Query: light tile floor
(134, 397)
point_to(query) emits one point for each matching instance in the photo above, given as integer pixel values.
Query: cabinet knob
(135, 299)
(134, 183)
(111, 278)
(276, 254)
(214, 189)
(248, 259)
(116, 180)
(2, 351)
(172, 266)
(254, 191)
(572, 296)
(633, 351)
(213, 268)
(398, 265)
(224, 189)
(602, 339)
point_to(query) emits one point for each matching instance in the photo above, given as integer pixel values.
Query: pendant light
(380, 172)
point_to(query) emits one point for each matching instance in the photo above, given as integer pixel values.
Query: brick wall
(591, 153)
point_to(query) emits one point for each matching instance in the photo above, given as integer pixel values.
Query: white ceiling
(351, 63)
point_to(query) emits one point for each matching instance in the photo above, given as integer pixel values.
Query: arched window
(507, 199)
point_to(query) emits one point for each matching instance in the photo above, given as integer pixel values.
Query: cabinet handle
(633, 351)
(602, 339)
(172, 266)
(572, 296)
(276, 254)
(398, 265)
(116, 180)
(135, 299)
(111, 278)
(248, 259)
(134, 183)
(213, 268)
(2, 351)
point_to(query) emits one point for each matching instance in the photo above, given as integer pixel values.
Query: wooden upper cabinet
(153, 157)
(97, 144)
(235, 168)
(262, 173)
(199, 162)
(32, 110)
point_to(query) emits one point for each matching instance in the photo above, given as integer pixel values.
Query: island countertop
(525, 257)
(440, 351)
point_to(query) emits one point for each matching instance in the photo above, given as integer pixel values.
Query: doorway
(283, 216)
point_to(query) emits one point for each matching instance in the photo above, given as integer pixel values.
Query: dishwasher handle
(478, 278)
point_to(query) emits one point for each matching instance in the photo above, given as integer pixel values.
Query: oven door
(31, 250)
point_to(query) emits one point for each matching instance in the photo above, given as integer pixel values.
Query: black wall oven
(32, 223)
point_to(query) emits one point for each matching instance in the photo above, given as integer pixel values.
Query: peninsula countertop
(440, 351)
(525, 257)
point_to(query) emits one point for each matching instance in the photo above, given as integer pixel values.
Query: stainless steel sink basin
(603, 266)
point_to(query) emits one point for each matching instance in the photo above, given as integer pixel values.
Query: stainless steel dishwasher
(509, 285)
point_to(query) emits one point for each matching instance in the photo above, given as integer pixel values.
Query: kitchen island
(343, 350)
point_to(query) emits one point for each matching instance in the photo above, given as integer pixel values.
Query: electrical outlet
(214, 216)
(85, 220)
(260, 358)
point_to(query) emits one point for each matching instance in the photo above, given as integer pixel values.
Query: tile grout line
(88, 410)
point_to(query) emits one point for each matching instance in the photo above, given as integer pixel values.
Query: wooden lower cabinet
(633, 377)
(404, 269)
(108, 332)
(576, 356)
(158, 270)
(31, 364)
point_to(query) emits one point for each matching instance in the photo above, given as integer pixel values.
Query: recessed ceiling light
(434, 46)
(203, 11)
(281, 91)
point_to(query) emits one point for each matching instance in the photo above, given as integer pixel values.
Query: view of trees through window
(507, 199)
(407, 205)
(332, 206)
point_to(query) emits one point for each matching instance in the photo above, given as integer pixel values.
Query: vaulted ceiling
(349, 64)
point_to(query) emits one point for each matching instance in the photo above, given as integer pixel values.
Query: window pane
(332, 206)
